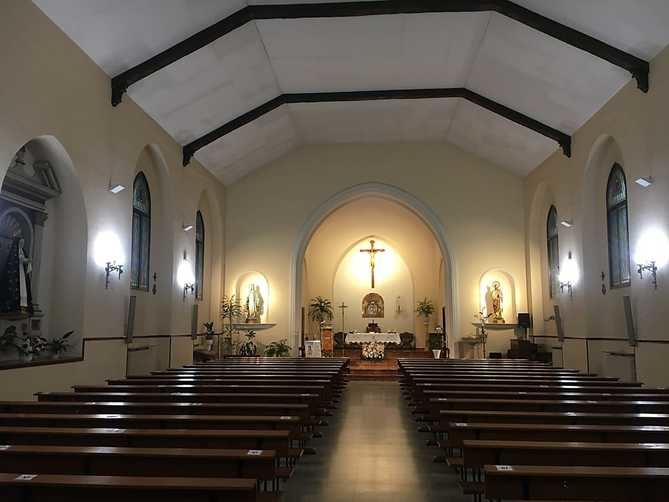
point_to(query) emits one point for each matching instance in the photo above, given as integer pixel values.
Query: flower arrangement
(58, 346)
(209, 326)
(30, 346)
(249, 348)
(278, 349)
(374, 351)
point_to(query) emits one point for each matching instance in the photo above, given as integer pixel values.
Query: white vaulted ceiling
(488, 53)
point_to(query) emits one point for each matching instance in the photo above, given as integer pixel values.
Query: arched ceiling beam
(564, 140)
(636, 66)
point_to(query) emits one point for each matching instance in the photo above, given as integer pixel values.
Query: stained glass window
(618, 233)
(141, 233)
(199, 256)
(553, 251)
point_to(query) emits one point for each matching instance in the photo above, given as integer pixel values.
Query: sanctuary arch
(370, 224)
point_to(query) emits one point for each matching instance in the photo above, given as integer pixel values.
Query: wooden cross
(372, 257)
(342, 307)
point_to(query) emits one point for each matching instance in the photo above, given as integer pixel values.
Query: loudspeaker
(629, 320)
(193, 321)
(558, 322)
(130, 323)
(524, 320)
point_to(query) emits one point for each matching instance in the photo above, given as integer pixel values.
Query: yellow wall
(50, 87)
(479, 205)
(630, 129)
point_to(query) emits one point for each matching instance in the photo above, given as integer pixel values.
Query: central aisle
(370, 452)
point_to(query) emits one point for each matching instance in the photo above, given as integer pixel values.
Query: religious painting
(372, 306)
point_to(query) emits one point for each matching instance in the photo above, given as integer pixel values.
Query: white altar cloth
(373, 337)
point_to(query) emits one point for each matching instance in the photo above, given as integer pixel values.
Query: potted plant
(278, 349)
(249, 348)
(8, 339)
(435, 342)
(30, 346)
(230, 311)
(58, 346)
(320, 310)
(209, 335)
(425, 308)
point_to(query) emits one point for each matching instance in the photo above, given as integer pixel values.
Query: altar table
(362, 338)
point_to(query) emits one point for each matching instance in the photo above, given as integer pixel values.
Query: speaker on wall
(558, 322)
(130, 322)
(524, 320)
(629, 320)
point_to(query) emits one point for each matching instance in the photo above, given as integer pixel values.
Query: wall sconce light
(185, 277)
(648, 267)
(108, 254)
(187, 228)
(644, 181)
(568, 276)
(652, 253)
(567, 223)
(116, 189)
(112, 267)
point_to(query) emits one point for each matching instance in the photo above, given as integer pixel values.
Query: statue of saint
(497, 298)
(255, 304)
(15, 294)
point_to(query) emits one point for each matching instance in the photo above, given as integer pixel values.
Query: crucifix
(372, 257)
(342, 307)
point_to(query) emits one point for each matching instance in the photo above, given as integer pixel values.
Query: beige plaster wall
(631, 130)
(50, 87)
(480, 207)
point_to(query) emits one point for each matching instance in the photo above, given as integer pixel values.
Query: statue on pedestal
(495, 302)
(255, 304)
(15, 294)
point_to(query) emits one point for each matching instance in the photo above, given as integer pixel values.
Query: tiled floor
(371, 451)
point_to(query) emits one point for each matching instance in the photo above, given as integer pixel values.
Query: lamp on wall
(187, 228)
(567, 223)
(652, 253)
(108, 254)
(568, 275)
(644, 181)
(185, 277)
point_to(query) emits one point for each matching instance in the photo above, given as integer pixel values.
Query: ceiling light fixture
(644, 181)
(187, 228)
(567, 223)
(117, 188)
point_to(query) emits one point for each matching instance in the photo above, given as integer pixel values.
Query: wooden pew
(291, 424)
(614, 484)
(522, 381)
(118, 461)
(598, 406)
(565, 417)
(276, 440)
(59, 488)
(458, 432)
(135, 408)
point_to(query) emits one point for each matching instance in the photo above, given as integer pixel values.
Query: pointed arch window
(553, 247)
(199, 256)
(141, 233)
(618, 231)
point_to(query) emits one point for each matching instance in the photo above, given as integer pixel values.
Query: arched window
(618, 233)
(141, 233)
(553, 251)
(199, 256)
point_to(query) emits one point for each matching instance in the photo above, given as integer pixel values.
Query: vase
(56, 355)
(26, 358)
(436, 353)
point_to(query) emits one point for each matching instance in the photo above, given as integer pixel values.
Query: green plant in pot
(230, 311)
(435, 342)
(60, 345)
(8, 339)
(249, 348)
(278, 349)
(425, 308)
(320, 310)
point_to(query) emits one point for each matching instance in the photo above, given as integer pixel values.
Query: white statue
(25, 274)
(495, 301)
(255, 304)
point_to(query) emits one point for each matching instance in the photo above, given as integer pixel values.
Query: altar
(373, 345)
